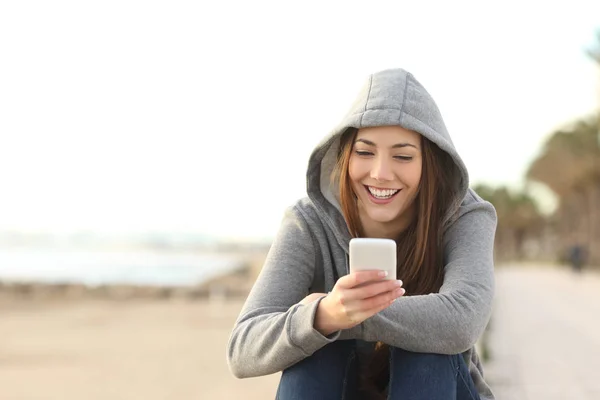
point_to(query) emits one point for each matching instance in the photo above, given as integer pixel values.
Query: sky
(199, 117)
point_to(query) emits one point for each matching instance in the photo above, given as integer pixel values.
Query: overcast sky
(128, 116)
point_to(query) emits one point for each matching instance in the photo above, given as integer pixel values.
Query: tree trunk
(593, 242)
(519, 241)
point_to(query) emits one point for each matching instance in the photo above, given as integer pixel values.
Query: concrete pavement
(544, 335)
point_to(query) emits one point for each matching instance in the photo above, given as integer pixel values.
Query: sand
(133, 349)
(93, 348)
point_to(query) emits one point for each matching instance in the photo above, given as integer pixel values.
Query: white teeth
(382, 194)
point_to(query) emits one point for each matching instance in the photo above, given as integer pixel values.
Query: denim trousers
(332, 373)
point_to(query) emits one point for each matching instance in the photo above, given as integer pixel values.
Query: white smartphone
(373, 254)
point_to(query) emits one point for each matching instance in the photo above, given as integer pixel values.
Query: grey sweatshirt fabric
(274, 332)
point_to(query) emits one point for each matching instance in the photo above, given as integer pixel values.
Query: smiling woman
(385, 168)
(389, 170)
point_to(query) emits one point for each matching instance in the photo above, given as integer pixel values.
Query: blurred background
(148, 151)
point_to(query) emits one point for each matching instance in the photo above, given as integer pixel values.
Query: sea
(102, 267)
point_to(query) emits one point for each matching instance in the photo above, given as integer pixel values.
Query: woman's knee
(437, 376)
(329, 372)
(426, 361)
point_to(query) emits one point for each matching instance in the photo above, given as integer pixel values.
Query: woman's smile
(381, 196)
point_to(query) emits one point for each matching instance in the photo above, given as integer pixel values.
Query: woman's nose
(382, 170)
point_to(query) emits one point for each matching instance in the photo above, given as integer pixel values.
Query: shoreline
(234, 284)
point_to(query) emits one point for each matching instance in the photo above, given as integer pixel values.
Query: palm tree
(569, 158)
(570, 166)
(594, 52)
(519, 220)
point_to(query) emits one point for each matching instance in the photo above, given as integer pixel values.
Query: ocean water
(93, 268)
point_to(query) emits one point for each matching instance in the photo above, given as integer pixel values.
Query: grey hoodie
(274, 332)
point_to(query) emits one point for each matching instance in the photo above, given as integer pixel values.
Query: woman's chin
(382, 218)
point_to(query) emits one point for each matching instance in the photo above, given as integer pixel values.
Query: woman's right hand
(354, 298)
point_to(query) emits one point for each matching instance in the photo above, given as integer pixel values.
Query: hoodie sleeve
(451, 321)
(273, 331)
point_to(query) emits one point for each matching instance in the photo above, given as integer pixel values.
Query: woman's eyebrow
(396, 146)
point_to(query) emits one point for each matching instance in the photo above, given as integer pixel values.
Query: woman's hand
(354, 298)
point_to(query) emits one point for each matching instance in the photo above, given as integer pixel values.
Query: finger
(381, 299)
(375, 310)
(378, 303)
(371, 290)
(356, 278)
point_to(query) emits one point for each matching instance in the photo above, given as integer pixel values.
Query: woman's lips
(380, 201)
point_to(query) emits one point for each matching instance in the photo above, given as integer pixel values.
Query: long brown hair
(420, 252)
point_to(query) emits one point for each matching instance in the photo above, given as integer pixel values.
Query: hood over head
(389, 97)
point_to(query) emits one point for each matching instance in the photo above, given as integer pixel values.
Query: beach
(101, 348)
(86, 347)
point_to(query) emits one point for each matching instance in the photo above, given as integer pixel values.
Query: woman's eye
(403, 158)
(363, 153)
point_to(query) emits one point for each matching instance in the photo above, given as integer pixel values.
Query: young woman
(389, 170)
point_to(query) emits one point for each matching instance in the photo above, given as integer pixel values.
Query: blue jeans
(332, 373)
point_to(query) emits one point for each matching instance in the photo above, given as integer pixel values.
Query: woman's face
(385, 171)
